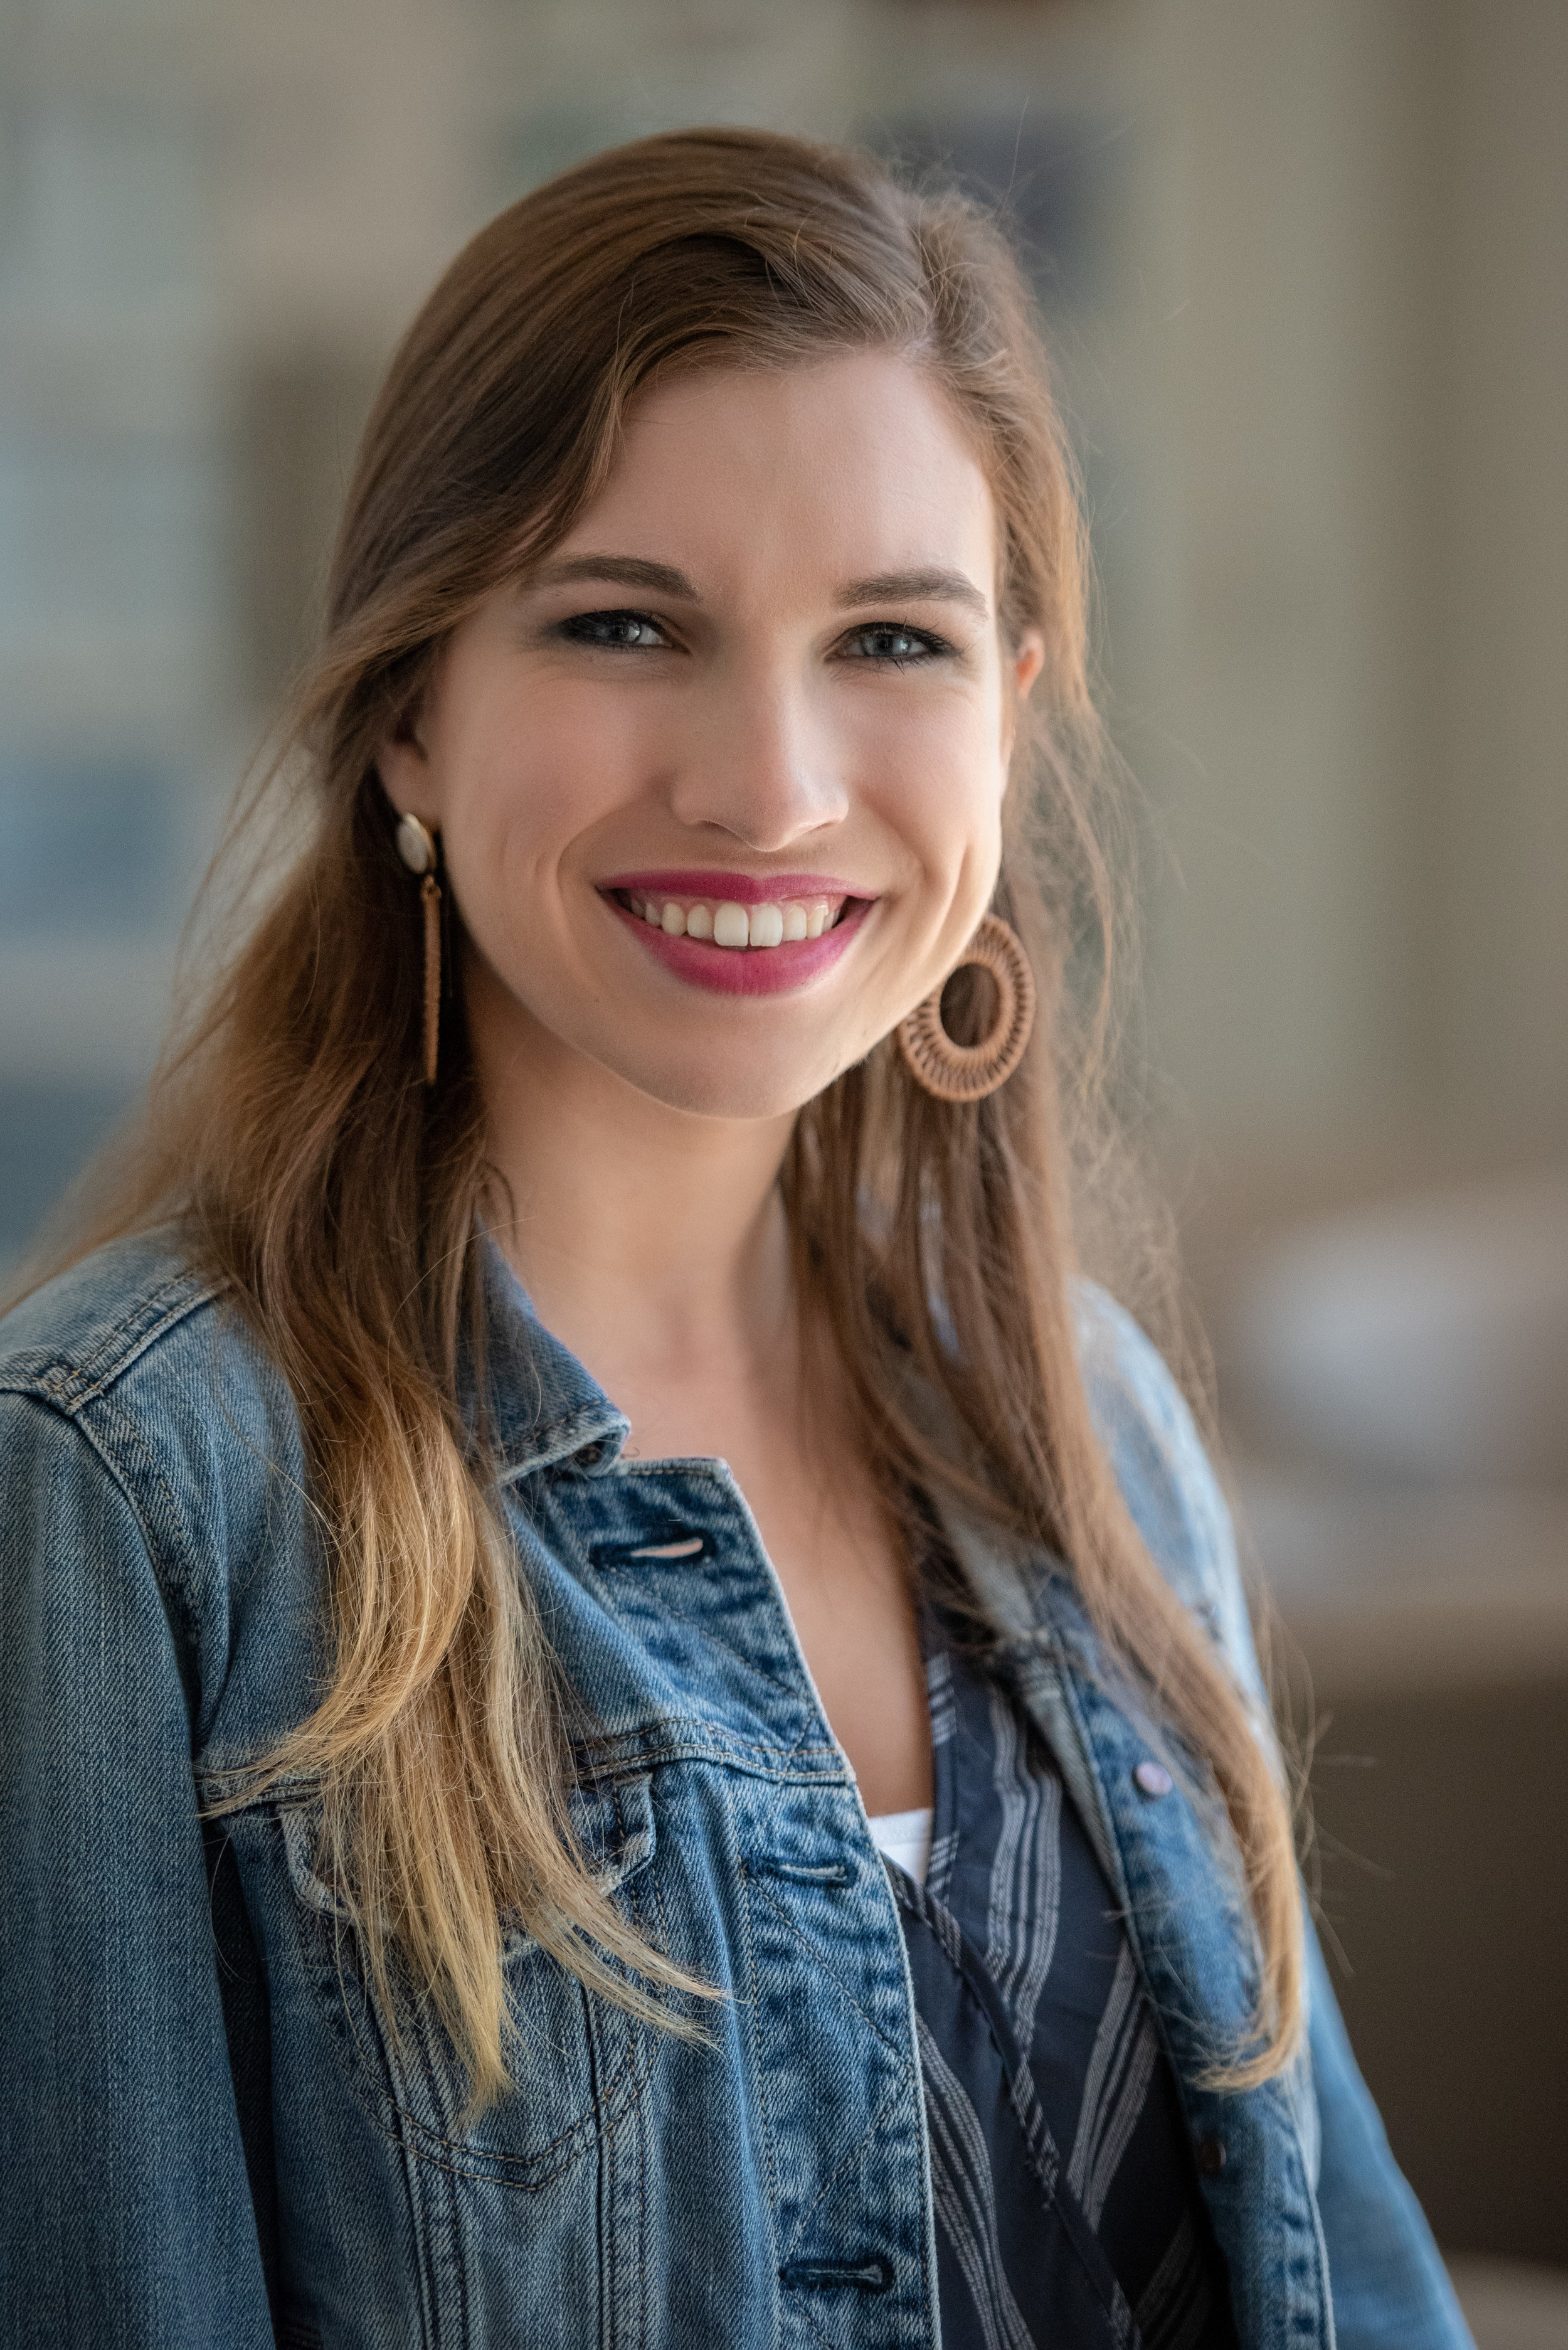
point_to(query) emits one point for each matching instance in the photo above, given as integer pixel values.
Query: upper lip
(738, 889)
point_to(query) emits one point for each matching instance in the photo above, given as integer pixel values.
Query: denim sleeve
(125, 2213)
(1390, 2289)
(1388, 2284)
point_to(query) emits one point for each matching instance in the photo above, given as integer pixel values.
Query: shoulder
(1164, 1475)
(130, 1375)
(78, 1335)
(136, 1332)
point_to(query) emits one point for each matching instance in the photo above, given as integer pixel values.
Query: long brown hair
(338, 1201)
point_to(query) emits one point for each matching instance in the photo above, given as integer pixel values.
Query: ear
(403, 765)
(1028, 661)
(1020, 670)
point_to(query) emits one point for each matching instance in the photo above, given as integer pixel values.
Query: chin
(738, 1086)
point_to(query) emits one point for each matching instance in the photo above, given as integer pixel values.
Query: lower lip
(747, 971)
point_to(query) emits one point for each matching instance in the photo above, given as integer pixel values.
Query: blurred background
(1305, 268)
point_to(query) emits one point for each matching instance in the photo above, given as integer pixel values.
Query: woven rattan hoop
(966, 1073)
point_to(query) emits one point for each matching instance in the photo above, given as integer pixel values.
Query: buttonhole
(873, 2275)
(833, 1872)
(672, 1545)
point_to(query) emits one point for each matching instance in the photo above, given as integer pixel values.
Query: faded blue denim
(206, 2137)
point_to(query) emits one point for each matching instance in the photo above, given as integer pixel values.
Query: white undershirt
(905, 1837)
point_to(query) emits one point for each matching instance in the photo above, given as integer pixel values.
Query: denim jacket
(209, 2137)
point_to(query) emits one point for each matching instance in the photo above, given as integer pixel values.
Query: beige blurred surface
(1512, 2305)
(1392, 1353)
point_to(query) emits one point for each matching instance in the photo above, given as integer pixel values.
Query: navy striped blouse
(1067, 2203)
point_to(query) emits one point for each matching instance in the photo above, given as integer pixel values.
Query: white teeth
(730, 925)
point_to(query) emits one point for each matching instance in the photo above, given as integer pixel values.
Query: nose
(760, 765)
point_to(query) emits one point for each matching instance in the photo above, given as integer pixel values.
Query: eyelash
(582, 628)
(930, 645)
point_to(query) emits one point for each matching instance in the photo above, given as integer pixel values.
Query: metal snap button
(1211, 2157)
(1154, 1779)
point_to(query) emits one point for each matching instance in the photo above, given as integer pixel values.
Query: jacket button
(1154, 1779)
(1211, 2157)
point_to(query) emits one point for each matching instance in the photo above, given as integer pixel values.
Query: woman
(631, 1715)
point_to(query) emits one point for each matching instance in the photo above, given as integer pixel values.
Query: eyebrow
(620, 571)
(931, 584)
(927, 585)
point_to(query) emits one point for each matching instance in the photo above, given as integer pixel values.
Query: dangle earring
(417, 848)
(966, 1073)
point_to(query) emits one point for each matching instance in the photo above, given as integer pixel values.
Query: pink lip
(743, 971)
(736, 888)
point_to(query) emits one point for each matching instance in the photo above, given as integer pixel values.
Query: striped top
(1067, 2203)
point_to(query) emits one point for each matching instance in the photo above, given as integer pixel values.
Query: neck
(651, 1241)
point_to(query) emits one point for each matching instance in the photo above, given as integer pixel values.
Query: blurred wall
(1366, 776)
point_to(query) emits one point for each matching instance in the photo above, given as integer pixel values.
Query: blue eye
(900, 648)
(618, 631)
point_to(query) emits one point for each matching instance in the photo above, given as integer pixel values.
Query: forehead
(835, 469)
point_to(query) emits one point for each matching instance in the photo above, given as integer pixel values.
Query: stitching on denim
(797, 1693)
(723, 1741)
(889, 2104)
(647, 1749)
(755, 2004)
(641, 2159)
(419, 2138)
(92, 1375)
(506, 2165)
(122, 1431)
(531, 1460)
(604, 2246)
(802, 2310)
(899, 2089)
(819, 1959)
(603, 2101)
(433, 2226)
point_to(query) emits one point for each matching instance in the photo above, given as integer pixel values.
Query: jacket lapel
(1173, 1866)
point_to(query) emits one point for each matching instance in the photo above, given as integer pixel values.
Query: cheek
(539, 771)
(939, 784)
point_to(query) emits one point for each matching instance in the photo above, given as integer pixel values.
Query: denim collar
(540, 1407)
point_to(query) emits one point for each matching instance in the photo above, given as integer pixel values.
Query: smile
(737, 935)
(730, 925)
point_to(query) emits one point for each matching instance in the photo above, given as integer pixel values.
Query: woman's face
(720, 784)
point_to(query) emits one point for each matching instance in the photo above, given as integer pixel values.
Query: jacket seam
(73, 1381)
(171, 1591)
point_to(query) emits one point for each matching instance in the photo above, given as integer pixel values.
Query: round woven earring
(417, 848)
(966, 1073)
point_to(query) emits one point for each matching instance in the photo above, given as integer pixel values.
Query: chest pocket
(578, 2062)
